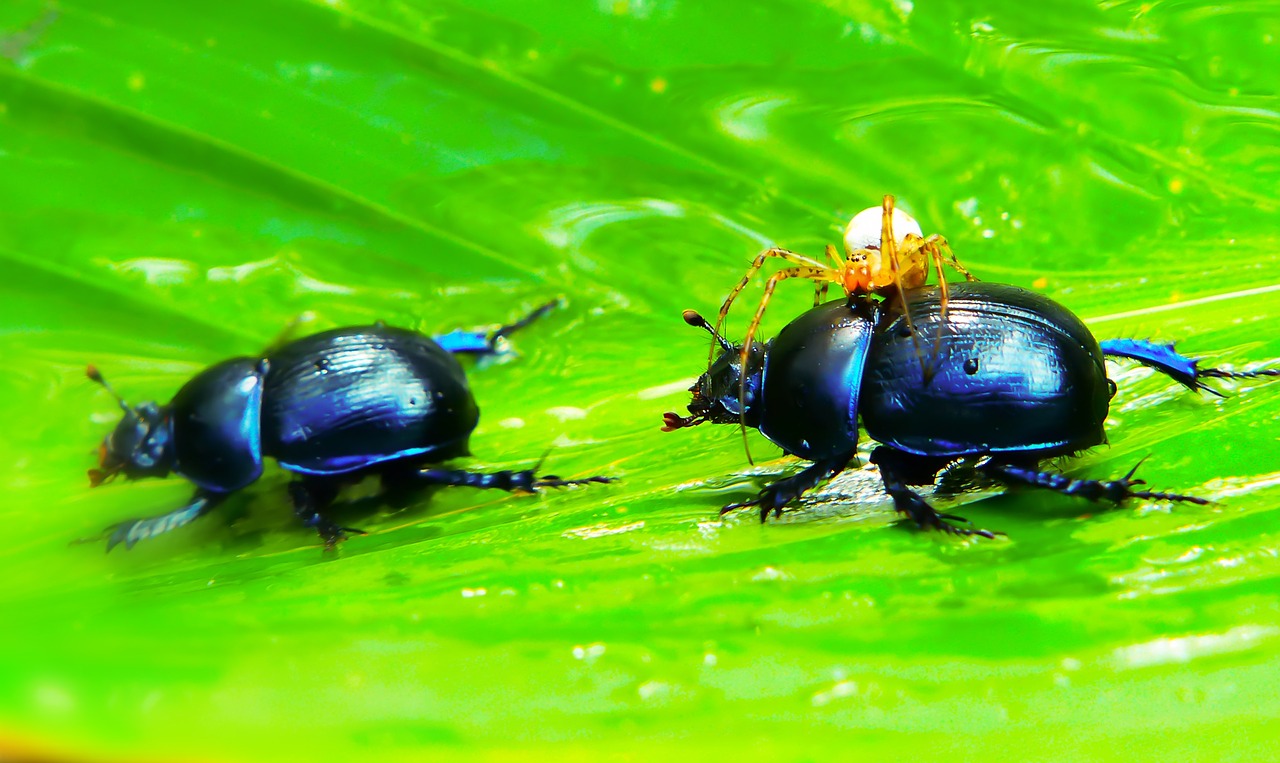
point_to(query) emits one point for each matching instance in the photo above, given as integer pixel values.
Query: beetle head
(716, 393)
(138, 446)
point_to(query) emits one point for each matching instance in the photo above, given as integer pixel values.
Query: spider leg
(889, 246)
(834, 256)
(930, 248)
(815, 273)
(756, 264)
(944, 252)
(820, 292)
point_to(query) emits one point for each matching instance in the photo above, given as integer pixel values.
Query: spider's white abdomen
(863, 231)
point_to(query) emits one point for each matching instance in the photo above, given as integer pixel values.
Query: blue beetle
(1020, 379)
(333, 408)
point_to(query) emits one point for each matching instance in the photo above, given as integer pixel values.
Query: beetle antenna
(692, 318)
(94, 374)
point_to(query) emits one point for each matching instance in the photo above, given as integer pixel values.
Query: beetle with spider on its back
(1016, 378)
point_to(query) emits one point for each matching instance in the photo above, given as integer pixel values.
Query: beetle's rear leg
(898, 470)
(1093, 490)
(479, 343)
(131, 531)
(778, 494)
(311, 496)
(1180, 368)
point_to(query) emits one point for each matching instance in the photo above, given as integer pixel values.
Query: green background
(179, 181)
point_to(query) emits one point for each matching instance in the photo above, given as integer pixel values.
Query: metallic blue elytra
(1004, 380)
(347, 399)
(1021, 374)
(332, 408)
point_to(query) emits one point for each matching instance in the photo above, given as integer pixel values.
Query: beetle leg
(479, 343)
(1180, 368)
(778, 494)
(310, 498)
(897, 470)
(526, 480)
(131, 531)
(1093, 490)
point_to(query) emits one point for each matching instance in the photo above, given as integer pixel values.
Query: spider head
(717, 393)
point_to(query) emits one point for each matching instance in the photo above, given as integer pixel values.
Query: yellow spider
(875, 262)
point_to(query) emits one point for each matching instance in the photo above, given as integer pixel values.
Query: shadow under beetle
(1021, 379)
(333, 408)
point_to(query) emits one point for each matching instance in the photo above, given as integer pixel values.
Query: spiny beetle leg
(310, 498)
(1179, 367)
(1093, 490)
(131, 531)
(778, 494)
(551, 480)
(896, 469)
(526, 480)
(479, 343)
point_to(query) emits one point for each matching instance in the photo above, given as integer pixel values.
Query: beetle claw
(964, 532)
(334, 535)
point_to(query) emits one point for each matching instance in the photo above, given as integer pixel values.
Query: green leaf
(179, 182)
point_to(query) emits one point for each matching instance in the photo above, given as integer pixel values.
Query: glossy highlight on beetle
(332, 408)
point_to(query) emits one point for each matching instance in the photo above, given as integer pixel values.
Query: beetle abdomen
(1016, 372)
(346, 399)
